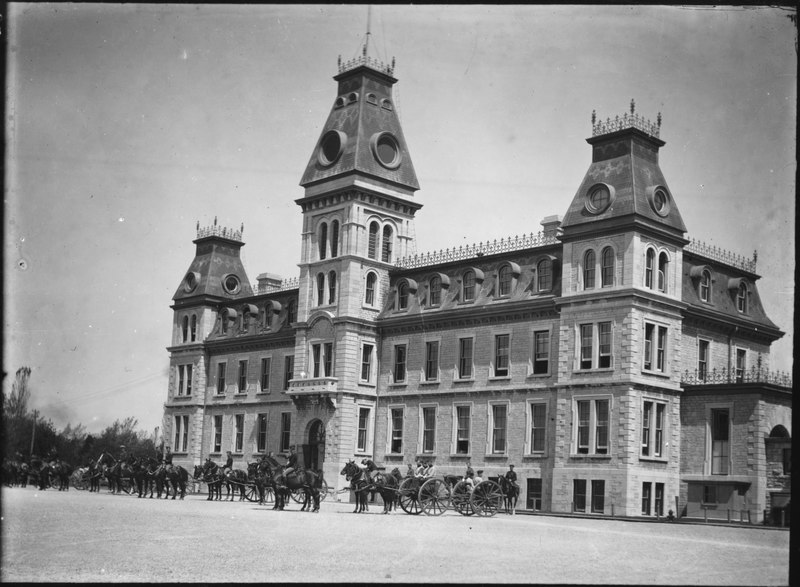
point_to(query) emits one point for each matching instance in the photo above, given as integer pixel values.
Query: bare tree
(16, 405)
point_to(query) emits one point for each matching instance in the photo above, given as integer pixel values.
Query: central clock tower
(358, 219)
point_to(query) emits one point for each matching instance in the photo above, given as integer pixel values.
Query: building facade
(620, 366)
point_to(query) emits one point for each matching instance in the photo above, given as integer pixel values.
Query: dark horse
(359, 483)
(259, 474)
(114, 471)
(387, 485)
(510, 494)
(309, 481)
(211, 475)
(61, 471)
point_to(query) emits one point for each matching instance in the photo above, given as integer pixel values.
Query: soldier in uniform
(291, 463)
(168, 460)
(228, 466)
(511, 477)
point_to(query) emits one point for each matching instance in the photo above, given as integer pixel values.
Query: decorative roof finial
(340, 61)
(658, 120)
(241, 230)
(215, 220)
(198, 225)
(594, 117)
(633, 105)
(369, 18)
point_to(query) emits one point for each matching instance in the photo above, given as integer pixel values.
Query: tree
(16, 405)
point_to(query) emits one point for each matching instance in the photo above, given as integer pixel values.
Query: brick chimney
(550, 226)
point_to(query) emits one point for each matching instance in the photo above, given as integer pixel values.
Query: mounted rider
(511, 477)
(227, 468)
(168, 460)
(369, 468)
(291, 462)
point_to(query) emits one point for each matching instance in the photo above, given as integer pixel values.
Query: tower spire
(369, 19)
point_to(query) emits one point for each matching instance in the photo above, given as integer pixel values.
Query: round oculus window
(331, 147)
(599, 198)
(386, 150)
(231, 284)
(660, 201)
(190, 282)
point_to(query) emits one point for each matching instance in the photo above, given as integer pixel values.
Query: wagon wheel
(298, 495)
(79, 480)
(460, 499)
(408, 494)
(251, 493)
(487, 498)
(269, 495)
(127, 485)
(434, 496)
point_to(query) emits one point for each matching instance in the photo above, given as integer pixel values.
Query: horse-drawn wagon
(436, 495)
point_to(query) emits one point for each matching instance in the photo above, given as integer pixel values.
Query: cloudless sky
(126, 124)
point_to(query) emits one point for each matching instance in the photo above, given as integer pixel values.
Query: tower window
(369, 295)
(386, 250)
(320, 289)
(663, 262)
(185, 329)
(372, 250)
(607, 270)
(323, 239)
(649, 268)
(194, 328)
(334, 238)
(331, 147)
(331, 287)
(588, 270)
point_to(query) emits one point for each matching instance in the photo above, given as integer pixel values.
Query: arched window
(335, 238)
(662, 272)
(372, 251)
(504, 281)
(323, 239)
(402, 295)
(588, 270)
(741, 298)
(544, 279)
(291, 312)
(331, 287)
(386, 250)
(705, 286)
(185, 329)
(268, 316)
(468, 286)
(369, 295)
(435, 297)
(649, 266)
(607, 269)
(320, 289)
(194, 327)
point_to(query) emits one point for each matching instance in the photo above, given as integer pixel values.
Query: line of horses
(387, 485)
(40, 473)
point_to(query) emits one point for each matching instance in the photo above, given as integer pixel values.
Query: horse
(258, 473)
(112, 470)
(212, 477)
(178, 477)
(62, 471)
(236, 480)
(387, 485)
(309, 481)
(359, 483)
(510, 494)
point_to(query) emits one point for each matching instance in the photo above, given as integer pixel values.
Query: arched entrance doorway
(314, 449)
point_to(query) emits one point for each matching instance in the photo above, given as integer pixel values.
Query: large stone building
(623, 368)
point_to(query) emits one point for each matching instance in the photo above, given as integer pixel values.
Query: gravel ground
(77, 536)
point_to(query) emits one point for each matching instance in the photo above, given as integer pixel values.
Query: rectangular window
(741, 361)
(647, 416)
(702, 359)
(787, 461)
(579, 495)
(286, 430)
(501, 344)
(238, 439)
(659, 503)
(586, 346)
(499, 413)
(658, 441)
(465, 358)
(646, 498)
(462, 429)
(534, 495)
(541, 352)
(217, 434)
(604, 348)
(181, 433)
(266, 366)
(221, 378)
(181, 382)
(598, 496)
(396, 445)
(328, 363)
(288, 370)
(400, 363)
(538, 424)
(184, 380)
(432, 360)
(316, 356)
(242, 376)
(363, 422)
(655, 348)
(720, 441)
(261, 433)
(366, 362)
(428, 429)
(710, 494)
(593, 426)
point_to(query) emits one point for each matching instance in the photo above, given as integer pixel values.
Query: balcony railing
(313, 385)
(480, 249)
(729, 376)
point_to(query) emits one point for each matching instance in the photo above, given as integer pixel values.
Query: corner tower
(358, 213)
(621, 314)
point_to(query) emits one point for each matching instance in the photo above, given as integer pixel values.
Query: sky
(126, 124)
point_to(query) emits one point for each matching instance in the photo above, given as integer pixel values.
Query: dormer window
(402, 295)
(372, 99)
(504, 281)
(741, 298)
(231, 285)
(468, 286)
(705, 285)
(435, 293)
(544, 275)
